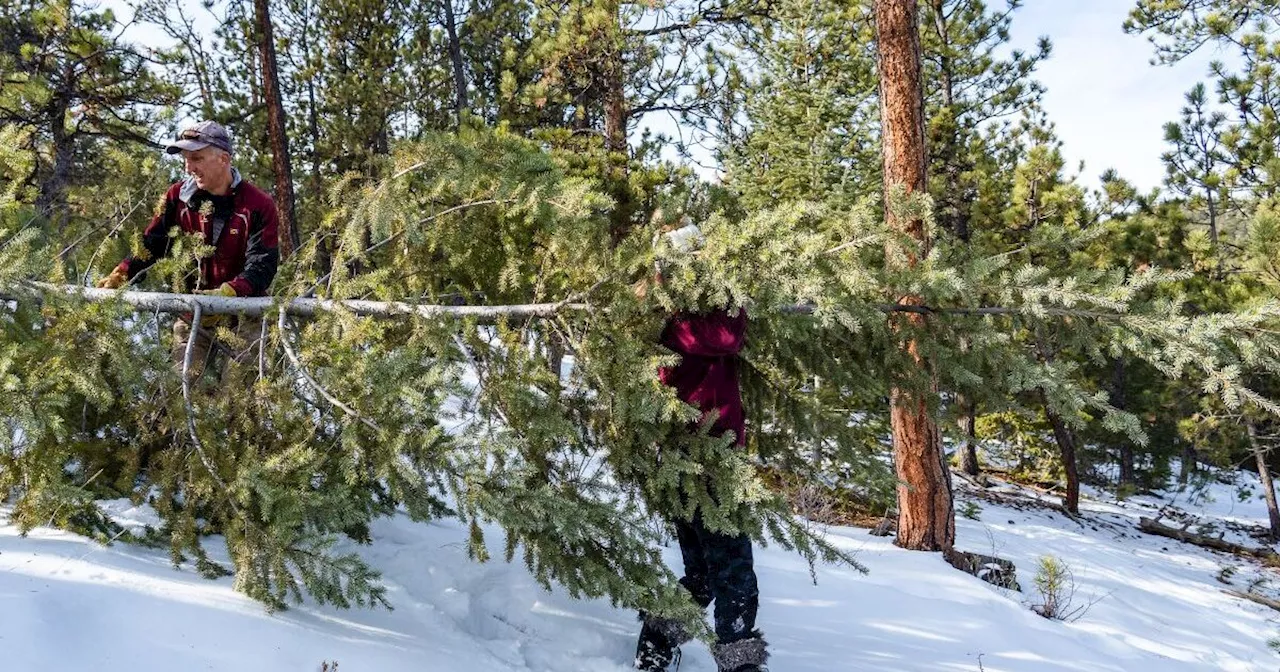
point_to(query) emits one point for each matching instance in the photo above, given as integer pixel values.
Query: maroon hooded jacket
(241, 227)
(707, 375)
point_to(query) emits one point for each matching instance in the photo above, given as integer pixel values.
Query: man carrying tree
(238, 220)
(718, 567)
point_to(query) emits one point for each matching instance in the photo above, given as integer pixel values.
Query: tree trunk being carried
(926, 517)
(276, 130)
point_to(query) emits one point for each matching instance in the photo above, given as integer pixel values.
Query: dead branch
(1152, 526)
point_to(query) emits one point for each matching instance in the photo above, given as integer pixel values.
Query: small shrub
(1225, 574)
(971, 510)
(1057, 588)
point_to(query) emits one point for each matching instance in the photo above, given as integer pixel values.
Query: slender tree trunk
(207, 107)
(968, 427)
(615, 112)
(1264, 472)
(615, 143)
(316, 179)
(52, 197)
(926, 517)
(51, 200)
(1188, 465)
(455, 56)
(953, 212)
(276, 129)
(614, 102)
(1128, 474)
(1066, 439)
(255, 83)
(1062, 433)
(1213, 218)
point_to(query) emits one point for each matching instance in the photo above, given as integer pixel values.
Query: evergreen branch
(809, 309)
(491, 201)
(302, 370)
(74, 244)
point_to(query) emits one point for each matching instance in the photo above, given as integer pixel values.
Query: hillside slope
(69, 604)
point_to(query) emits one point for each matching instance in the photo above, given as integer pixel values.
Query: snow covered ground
(69, 604)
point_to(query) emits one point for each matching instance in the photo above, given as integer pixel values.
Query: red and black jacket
(242, 227)
(707, 375)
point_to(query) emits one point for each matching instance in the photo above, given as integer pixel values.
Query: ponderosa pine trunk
(926, 517)
(276, 130)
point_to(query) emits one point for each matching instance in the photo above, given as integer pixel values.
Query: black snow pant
(719, 568)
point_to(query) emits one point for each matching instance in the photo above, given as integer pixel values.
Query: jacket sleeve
(262, 256)
(156, 241)
(711, 335)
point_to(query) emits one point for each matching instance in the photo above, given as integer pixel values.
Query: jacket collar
(189, 187)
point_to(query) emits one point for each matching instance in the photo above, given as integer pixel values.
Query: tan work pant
(209, 350)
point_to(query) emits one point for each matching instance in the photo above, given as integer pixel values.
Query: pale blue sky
(1108, 103)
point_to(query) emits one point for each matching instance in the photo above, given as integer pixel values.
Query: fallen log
(1151, 526)
(1252, 597)
(993, 570)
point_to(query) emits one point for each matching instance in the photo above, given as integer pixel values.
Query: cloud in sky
(1108, 103)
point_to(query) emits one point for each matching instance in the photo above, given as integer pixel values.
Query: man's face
(210, 166)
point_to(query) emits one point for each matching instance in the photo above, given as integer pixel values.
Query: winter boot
(659, 645)
(743, 655)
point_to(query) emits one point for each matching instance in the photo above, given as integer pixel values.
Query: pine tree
(813, 109)
(971, 89)
(1196, 163)
(73, 84)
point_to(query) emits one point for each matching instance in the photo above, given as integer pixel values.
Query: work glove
(225, 289)
(214, 321)
(117, 279)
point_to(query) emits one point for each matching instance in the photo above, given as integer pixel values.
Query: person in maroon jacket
(718, 567)
(233, 216)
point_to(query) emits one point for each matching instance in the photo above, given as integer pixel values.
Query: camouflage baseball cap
(198, 136)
